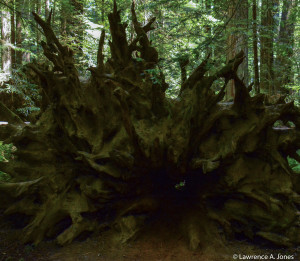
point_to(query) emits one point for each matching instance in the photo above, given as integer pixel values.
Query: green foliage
(184, 28)
(294, 93)
(278, 124)
(4, 176)
(19, 85)
(294, 164)
(26, 111)
(6, 151)
(180, 185)
(154, 75)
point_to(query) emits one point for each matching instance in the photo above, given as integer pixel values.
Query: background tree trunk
(255, 47)
(25, 10)
(5, 39)
(208, 29)
(269, 9)
(38, 35)
(19, 4)
(13, 34)
(286, 45)
(63, 18)
(53, 13)
(47, 8)
(237, 41)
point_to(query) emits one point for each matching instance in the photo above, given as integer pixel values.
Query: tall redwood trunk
(5, 40)
(26, 9)
(38, 34)
(77, 21)
(47, 8)
(102, 11)
(286, 44)
(54, 11)
(13, 34)
(19, 7)
(236, 41)
(63, 20)
(255, 47)
(267, 34)
(208, 29)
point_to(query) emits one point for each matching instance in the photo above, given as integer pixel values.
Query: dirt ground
(153, 245)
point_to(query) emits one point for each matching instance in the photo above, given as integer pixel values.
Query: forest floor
(153, 245)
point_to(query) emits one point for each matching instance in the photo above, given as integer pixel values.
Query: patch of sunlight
(91, 24)
(4, 77)
(94, 33)
(192, 45)
(212, 19)
(94, 29)
(191, 5)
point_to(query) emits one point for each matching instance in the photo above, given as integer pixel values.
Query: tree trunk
(71, 17)
(47, 8)
(5, 41)
(102, 11)
(238, 12)
(38, 35)
(19, 4)
(286, 44)
(115, 152)
(13, 35)
(268, 11)
(255, 48)
(208, 29)
(77, 23)
(53, 11)
(63, 18)
(26, 9)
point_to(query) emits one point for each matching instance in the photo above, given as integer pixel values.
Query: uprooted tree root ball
(116, 152)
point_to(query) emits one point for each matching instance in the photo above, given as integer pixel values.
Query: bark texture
(269, 9)
(286, 45)
(5, 41)
(237, 41)
(115, 152)
(255, 47)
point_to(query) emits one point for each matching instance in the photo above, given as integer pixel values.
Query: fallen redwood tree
(116, 152)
